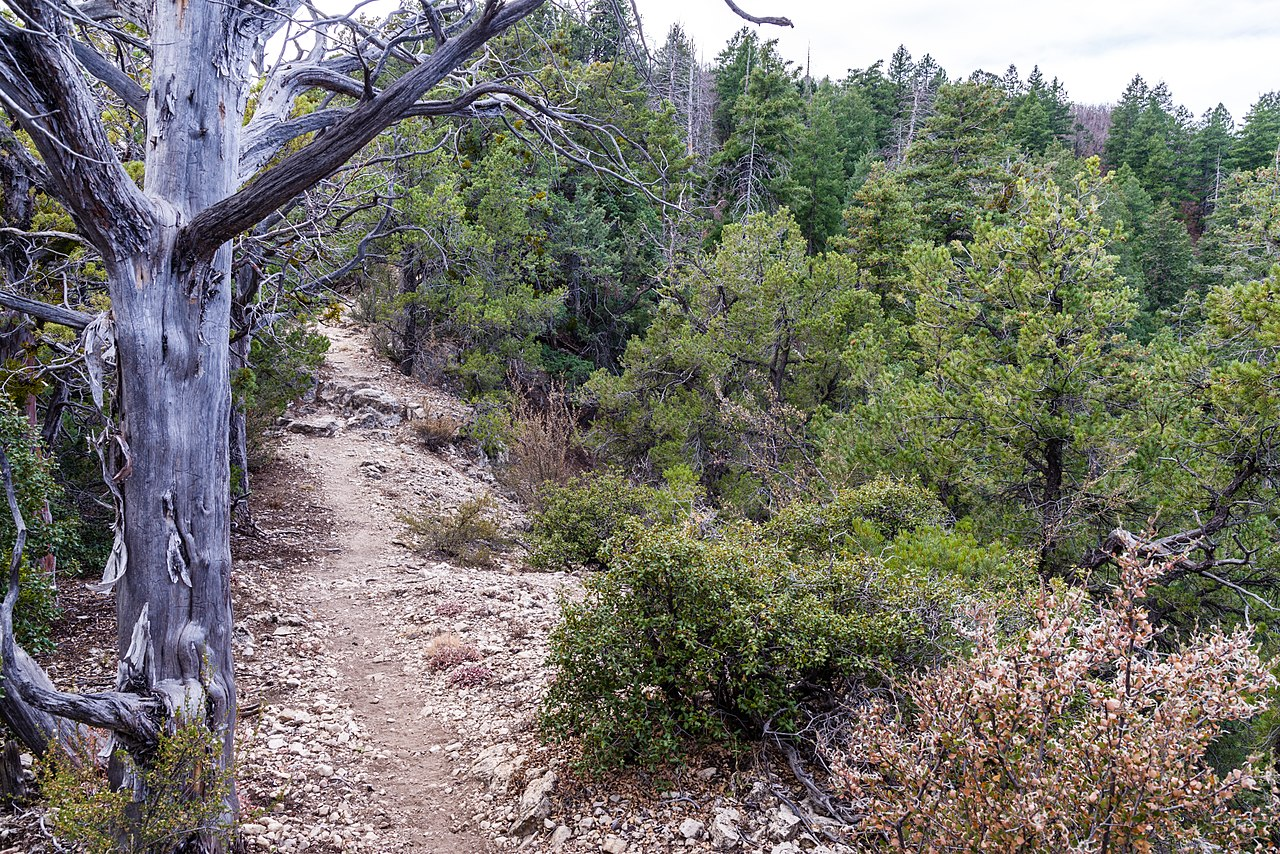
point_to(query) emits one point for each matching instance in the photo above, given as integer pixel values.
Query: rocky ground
(389, 698)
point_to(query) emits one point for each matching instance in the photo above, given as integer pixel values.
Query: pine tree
(960, 160)
(753, 169)
(1021, 349)
(1259, 141)
(818, 172)
(882, 224)
(1211, 153)
(732, 71)
(1124, 117)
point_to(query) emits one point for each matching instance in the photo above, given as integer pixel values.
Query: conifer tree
(1259, 142)
(960, 160)
(818, 172)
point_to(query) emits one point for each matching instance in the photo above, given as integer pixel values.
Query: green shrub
(185, 795)
(34, 486)
(470, 534)
(492, 427)
(857, 520)
(37, 609)
(282, 366)
(575, 520)
(956, 554)
(686, 639)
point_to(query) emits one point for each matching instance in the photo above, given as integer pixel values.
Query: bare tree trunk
(245, 292)
(175, 401)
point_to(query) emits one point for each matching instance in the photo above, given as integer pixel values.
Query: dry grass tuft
(545, 447)
(437, 430)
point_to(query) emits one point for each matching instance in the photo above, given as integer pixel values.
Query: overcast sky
(1206, 50)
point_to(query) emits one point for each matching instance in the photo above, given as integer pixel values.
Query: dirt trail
(359, 744)
(352, 736)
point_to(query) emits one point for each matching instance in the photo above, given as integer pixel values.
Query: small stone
(560, 836)
(252, 829)
(613, 845)
(724, 829)
(691, 828)
(324, 770)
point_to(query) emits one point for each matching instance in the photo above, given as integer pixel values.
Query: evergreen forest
(918, 430)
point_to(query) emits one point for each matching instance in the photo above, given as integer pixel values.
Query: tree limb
(117, 81)
(43, 88)
(318, 160)
(37, 712)
(77, 320)
(777, 22)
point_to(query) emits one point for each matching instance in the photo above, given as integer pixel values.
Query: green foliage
(282, 366)
(1016, 400)
(882, 224)
(818, 172)
(1259, 139)
(1041, 113)
(958, 164)
(752, 173)
(36, 609)
(686, 639)
(575, 521)
(1150, 135)
(506, 259)
(734, 358)
(36, 489)
(856, 520)
(470, 534)
(184, 795)
(492, 426)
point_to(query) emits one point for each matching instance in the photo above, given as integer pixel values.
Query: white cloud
(1225, 51)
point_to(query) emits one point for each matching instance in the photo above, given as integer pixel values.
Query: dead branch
(777, 22)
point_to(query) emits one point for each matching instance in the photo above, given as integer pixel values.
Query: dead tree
(164, 245)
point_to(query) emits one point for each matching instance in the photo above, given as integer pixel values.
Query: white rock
(323, 425)
(613, 845)
(784, 825)
(691, 828)
(375, 398)
(560, 836)
(724, 829)
(535, 803)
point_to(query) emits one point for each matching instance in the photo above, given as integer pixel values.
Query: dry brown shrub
(447, 651)
(545, 446)
(1083, 736)
(470, 534)
(470, 676)
(437, 430)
